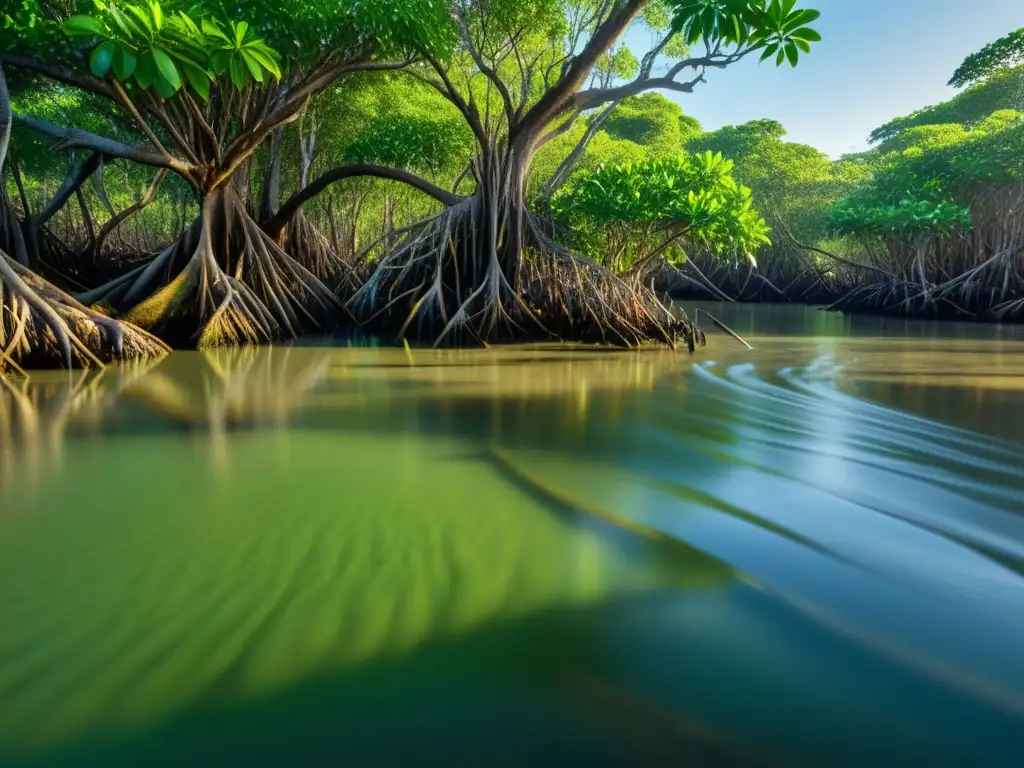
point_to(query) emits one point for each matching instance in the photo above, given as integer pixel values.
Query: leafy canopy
(653, 121)
(907, 218)
(1007, 51)
(1002, 90)
(695, 194)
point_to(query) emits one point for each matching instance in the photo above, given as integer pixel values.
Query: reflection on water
(531, 555)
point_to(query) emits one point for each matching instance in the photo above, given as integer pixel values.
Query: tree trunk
(270, 198)
(484, 270)
(41, 325)
(224, 281)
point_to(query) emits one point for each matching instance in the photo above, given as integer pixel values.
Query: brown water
(808, 552)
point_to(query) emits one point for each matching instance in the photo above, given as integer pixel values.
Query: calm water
(808, 553)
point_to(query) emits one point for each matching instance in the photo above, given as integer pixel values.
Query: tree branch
(559, 98)
(595, 97)
(74, 137)
(276, 225)
(566, 166)
(148, 196)
(488, 72)
(291, 105)
(76, 177)
(60, 74)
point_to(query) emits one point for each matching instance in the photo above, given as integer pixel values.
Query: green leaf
(146, 72)
(198, 79)
(769, 51)
(220, 61)
(186, 22)
(801, 19)
(265, 61)
(158, 14)
(129, 27)
(805, 33)
(125, 62)
(101, 58)
(253, 66)
(792, 54)
(211, 28)
(240, 29)
(143, 18)
(165, 66)
(164, 87)
(237, 73)
(83, 26)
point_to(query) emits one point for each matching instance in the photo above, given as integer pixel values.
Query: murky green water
(808, 553)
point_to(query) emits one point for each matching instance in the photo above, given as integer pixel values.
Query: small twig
(725, 328)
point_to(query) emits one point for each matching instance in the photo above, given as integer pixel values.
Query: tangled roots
(992, 290)
(455, 277)
(308, 246)
(41, 326)
(233, 285)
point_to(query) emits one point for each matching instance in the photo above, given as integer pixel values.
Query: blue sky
(879, 59)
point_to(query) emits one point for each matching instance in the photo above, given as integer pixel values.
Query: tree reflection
(37, 412)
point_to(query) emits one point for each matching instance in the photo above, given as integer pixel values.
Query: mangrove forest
(184, 174)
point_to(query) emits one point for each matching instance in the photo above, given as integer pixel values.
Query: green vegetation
(463, 172)
(295, 167)
(632, 215)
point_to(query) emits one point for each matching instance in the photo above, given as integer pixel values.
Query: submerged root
(43, 327)
(225, 282)
(453, 278)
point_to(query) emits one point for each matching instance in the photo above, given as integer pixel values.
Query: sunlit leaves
(1002, 90)
(412, 141)
(776, 26)
(651, 121)
(1007, 51)
(941, 164)
(165, 51)
(695, 193)
(908, 217)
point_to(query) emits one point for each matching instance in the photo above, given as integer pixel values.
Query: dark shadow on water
(634, 681)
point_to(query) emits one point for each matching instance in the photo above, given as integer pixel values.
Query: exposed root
(43, 327)
(456, 278)
(308, 246)
(224, 282)
(993, 290)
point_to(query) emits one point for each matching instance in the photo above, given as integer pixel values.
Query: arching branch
(6, 118)
(597, 96)
(715, 59)
(280, 220)
(488, 72)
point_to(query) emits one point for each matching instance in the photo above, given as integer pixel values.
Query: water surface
(809, 552)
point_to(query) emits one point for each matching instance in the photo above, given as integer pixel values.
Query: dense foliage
(628, 209)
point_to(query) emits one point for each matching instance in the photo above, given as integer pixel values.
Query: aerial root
(449, 280)
(308, 246)
(41, 326)
(225, 282)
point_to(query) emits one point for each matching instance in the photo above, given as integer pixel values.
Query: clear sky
(879, 59)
